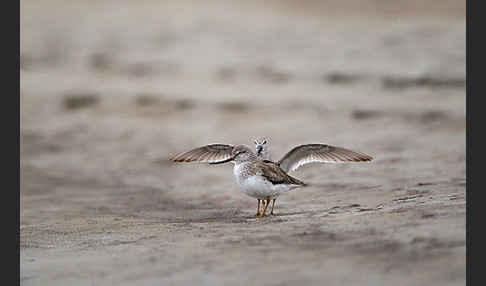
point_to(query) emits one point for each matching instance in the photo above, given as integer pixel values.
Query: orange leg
(273, 204)
(266, 206)
(258, 208)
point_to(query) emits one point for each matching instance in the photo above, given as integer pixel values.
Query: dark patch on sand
(26, 61)
(234, 106)
(429, 243)
(273, 75)
(428, 215)
(433, 116)
(229, 216)
(426, 184)
(402, 82)
(139, 69)
(32, 143)
(157, 103)
(343, 209)
(413, 192)
(226, 74)
(319, 235)
(80, 99)
(361, 114)
(184, 104)
(378, 246)
(101, 61)
(341, 78)
(408, 198)
(147, 100)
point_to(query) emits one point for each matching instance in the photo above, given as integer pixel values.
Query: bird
(264, 179)
(261, 148)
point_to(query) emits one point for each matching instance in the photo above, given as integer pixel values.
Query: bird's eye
(264, 141)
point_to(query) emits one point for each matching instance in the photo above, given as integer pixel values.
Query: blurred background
(110, 90)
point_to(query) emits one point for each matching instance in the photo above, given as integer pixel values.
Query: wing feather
(273, 173)
(209, 153)
(319, 153)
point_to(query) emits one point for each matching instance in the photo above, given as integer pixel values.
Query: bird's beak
(259, 149)
(223, 161)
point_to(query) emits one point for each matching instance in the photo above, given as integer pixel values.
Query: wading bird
(261, 178)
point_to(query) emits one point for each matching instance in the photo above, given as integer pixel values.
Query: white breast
(256, 186)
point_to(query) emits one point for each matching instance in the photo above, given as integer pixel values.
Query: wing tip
(178, 159)
(362, 157)
(367, 158)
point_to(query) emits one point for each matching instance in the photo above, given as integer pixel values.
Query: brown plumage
(208, 153)
(319, 153)
(273, 173)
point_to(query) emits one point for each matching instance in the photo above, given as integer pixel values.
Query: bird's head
(260, 145)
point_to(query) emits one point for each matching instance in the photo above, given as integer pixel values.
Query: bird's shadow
(230, 217)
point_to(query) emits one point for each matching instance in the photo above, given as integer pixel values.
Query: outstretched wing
(209, 153)
(319, 153)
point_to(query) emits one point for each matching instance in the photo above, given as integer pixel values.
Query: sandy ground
(111, 90)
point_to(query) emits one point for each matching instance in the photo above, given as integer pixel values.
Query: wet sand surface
(111, 90)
